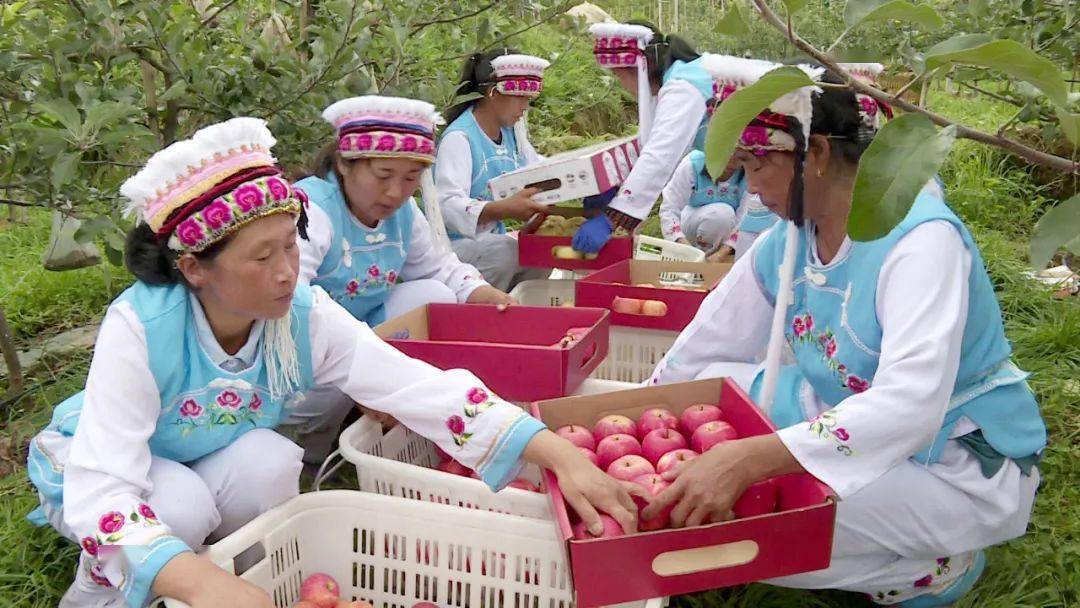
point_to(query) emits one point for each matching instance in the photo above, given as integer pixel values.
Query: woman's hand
(520, 206)
(585, 487)
(721, 255)
(486, 294)
(705, 488)
(198, 582)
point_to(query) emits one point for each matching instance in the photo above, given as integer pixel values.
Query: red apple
(305, 604)
(630, 306)
(630, 467)
(443, 456)
(455, 468)
(321, 590)
(523, 484)
(654, 485)
(577, 435)
(673, 459)
(590, 456)
(611, 528)
(656, 418)
(653, 308)
(424, 605)
(613, 425)
(660, 442)
(759, 499)
(711, 433)
(614, 447)
(353, 604)
(697, 415)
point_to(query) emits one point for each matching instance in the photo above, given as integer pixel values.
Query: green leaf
(116, 258)
(1070, 124)
(63, 168)
(466, 98)
(732, 116)
(63, 111)
(794, 6)
(1007, 56)
(978, 8)
(178, 89)
(106, 114)
(732, 23)
(905, 154)
(1058, 227)
(91, 228)
(864, 11)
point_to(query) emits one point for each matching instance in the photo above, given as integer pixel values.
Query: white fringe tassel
(433, 212)
(279, 352)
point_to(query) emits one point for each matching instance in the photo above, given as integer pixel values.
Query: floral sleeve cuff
(146, 561)
(505, 462)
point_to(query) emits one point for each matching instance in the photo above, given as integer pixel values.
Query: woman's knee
(182, 500)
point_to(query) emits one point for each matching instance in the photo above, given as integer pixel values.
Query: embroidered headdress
(373, 126)
(519, 75)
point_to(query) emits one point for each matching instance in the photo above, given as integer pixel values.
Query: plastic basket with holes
(652, 248)
(400, 463)
(396, 553)
(544, 292)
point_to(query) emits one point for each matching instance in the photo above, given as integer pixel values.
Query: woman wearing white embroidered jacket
(172, 442)
(902, 397)
(698, 210)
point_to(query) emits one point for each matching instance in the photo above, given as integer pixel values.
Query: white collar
(247, 353)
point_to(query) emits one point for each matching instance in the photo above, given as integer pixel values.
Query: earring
(820, 174)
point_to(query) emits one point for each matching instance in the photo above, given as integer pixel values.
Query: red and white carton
(538, 251)
(515, 351)
(681, 286)
(572, 175)
(795, 539)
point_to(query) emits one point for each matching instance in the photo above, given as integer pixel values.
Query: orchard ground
(998, 201)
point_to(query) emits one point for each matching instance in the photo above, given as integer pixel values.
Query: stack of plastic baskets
(652, 248)
(396, 553)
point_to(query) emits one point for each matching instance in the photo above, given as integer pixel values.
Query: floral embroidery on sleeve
(111, 527)
(825, 427)
(457, 430)
(478, 402)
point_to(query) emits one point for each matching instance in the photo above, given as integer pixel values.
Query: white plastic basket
(400, 463)
(395, 553)
(652, 248)
(633, 353)
(544, 292)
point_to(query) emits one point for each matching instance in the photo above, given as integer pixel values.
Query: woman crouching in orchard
(173, 444)
(902, 398)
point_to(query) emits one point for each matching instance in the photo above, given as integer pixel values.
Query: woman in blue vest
(172, 443)
(698, 210)
(902, 396)
(486, 138)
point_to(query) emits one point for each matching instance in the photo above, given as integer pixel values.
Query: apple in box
(673, 459)
(611, 528)
(614, 424)
(697, 415)
(629, 306)
(590, 456)
(577, 435)
(654, 485)
(454, 468)
(711, 433)
(760, 498)
(656, 418)
(653, 308)
(660, 442)
(614, 447)
(630, 467)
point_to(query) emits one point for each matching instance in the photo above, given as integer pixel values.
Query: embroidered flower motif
(90, 545)
(278, 188)
(509, 85)
(248, 197)
(798, 326)
(841, 434)
(351, 287)
(189, 232)
(924, 581)
(457, 430)
(217, 214)
(146, 511)
(868, 105)
(364, 142)
(477, 395)
(191, 409)
(98, 576)
(386, 143)
(425, 146)
(857, 384)
(808, 319)
(255, 403)
(229, 400)
(408, 143)
(830, 347)
(709, 192)
(755, 136)
(824, 426)
(111, 522)
(300, 194)
(391, 277)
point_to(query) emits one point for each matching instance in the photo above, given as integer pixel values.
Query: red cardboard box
(514, 351)
(797, 538)
(600, 288)
(537, 251)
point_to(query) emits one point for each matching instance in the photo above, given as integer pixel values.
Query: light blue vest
(692, 72)
(362, 263)
(489, 160)
(756, 221)
(707, 192)
(203, 407)
(833, 329)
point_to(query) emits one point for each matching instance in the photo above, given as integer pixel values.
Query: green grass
(997, 200)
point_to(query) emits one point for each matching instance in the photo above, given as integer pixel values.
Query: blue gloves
(599, 201)
(593, 234)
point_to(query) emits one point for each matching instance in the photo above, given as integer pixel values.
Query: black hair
(153, 263)
(475, 78)
(663, 51)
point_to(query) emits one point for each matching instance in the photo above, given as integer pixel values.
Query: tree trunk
(11, 356)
